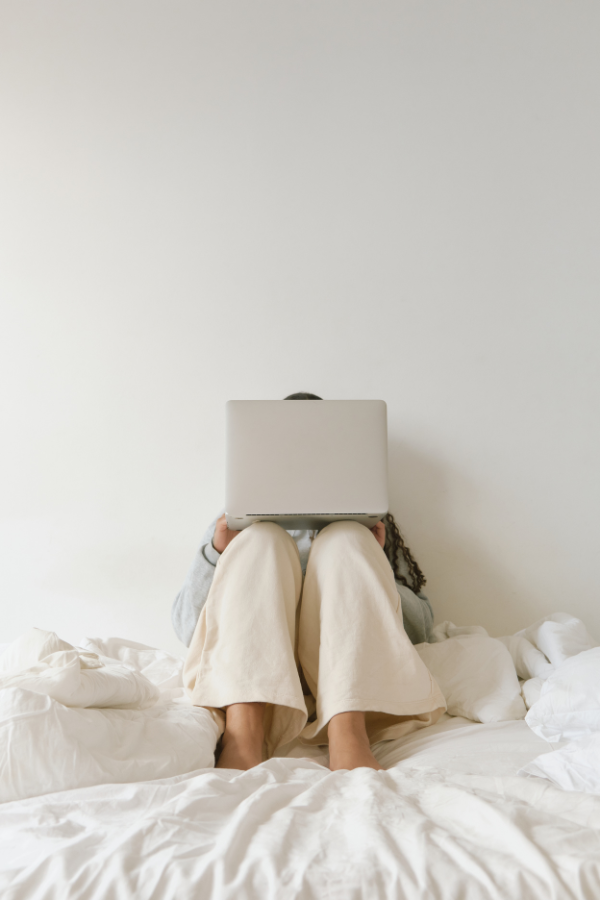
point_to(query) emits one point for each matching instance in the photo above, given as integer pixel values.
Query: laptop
(305, 463)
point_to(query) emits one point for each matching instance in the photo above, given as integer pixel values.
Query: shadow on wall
(438, 511)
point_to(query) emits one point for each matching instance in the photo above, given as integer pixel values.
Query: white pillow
(559, 637)
(477, 677)
(569, 705)
(531, 691)
(529, 661)
(46, 747)
(575, 767)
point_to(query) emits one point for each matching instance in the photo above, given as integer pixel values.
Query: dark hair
(302, 395)
(394, 542)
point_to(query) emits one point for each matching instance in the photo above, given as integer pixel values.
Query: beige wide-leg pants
(343, 628)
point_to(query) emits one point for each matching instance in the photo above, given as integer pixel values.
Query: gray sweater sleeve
(417, 614)
(192, 596)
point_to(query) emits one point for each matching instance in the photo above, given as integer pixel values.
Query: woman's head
(302, 395)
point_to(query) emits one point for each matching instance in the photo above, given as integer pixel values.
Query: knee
(266, 541)
(345, 533)
(267, 534)
(270, 528)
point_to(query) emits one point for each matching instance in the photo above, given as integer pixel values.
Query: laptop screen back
(304, 463)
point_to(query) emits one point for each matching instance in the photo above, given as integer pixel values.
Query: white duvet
(45, 746)
(125, 802)
(433, 826)
(141, 725)
(40, 662)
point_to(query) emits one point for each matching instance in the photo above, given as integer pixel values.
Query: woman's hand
(223, 535)
(378, 531)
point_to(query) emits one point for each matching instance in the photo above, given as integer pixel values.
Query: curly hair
(394, 544)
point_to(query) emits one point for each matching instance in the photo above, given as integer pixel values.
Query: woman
(307, 634)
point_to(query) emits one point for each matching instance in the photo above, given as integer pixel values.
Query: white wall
(204, 201)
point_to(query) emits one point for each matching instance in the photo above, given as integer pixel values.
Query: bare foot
(349, 746)
(243, 738)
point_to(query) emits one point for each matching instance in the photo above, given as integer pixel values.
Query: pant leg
(354, 651)
(243, 648)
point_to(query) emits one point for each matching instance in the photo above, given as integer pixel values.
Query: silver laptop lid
(304, 463)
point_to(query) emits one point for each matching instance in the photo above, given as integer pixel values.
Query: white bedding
(40, 662)
(434, 826)
(568, 708)
(575, 767)
(449, 819)
(45, 746)
(476, 675)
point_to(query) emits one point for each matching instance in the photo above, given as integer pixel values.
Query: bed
(454, 814)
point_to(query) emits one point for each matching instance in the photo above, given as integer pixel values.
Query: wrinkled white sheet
(568, 709)
(575, 767)
(560, 661)
(39, 661)
(161, 668)
(460, 746)
(569, 704)
(432, 827)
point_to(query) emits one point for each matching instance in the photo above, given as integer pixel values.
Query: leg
(242, 657)
(243, 739)
(349, 745)
(353, 649)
